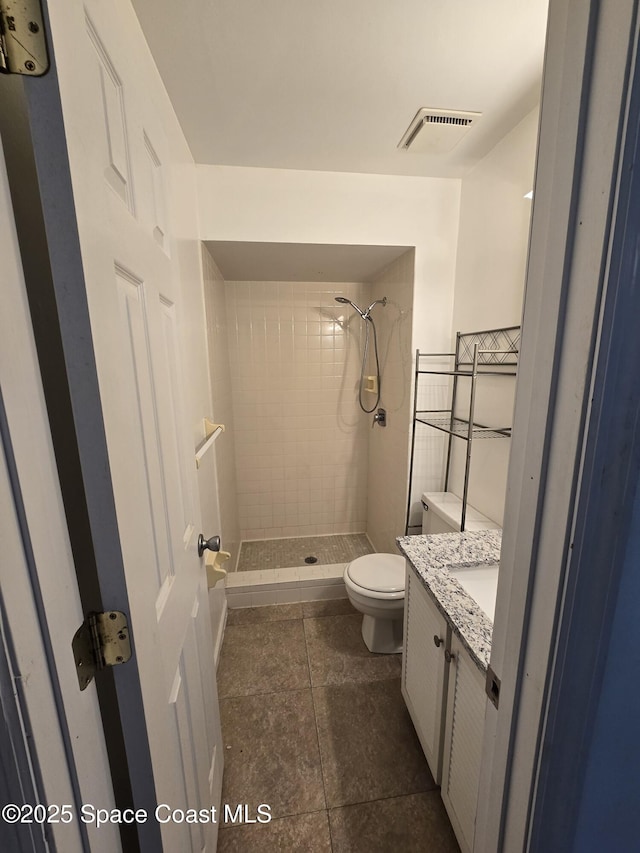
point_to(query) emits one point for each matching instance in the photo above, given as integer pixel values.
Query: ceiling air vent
(437, 131)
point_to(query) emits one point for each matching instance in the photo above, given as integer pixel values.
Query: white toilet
(375, 586)
(442, 511)
(375, 582)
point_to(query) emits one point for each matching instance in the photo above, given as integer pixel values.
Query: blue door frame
(589, 767)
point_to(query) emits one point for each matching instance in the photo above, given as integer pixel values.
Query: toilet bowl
(375, 587)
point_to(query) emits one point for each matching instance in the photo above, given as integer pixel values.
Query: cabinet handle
(437, 641)
(449, 656)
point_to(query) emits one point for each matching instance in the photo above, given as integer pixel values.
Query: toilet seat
(375, 587)
(380, 576)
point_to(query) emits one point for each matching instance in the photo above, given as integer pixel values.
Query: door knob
(212, 544)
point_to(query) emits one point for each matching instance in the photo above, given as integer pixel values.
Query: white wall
(494, 232)
(280, 205)
(489, 288)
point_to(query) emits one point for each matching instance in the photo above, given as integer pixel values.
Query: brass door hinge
(23, 45)
(101, 641)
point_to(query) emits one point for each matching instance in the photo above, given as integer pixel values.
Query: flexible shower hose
(368, 320)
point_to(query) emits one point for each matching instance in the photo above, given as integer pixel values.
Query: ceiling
(301, 261)
(333, 84)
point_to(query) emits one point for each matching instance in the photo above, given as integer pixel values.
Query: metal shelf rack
(491, 352)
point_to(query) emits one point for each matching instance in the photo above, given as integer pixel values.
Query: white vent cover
(437, 131)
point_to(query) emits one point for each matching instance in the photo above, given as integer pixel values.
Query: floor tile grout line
(265, 621)
(275, 819)
(288, 618)
(269, 693)
(315, 720)
(436, 789)
(328, 809)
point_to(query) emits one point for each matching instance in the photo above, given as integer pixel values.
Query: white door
(40, 605)
(134, 192)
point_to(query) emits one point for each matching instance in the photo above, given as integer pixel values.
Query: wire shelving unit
(491, 352)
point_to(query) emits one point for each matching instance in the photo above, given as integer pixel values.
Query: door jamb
(590, 50)
(23, 745)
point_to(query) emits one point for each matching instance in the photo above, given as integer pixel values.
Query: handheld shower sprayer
(366, 315)
(344, 301)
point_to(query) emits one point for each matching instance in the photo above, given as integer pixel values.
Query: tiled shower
(296, 459)
(301, 444)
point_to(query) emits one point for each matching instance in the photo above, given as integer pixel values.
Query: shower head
(344, 301)
(363, 314)
(369, 331)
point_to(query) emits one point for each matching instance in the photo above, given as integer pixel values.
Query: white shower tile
(291, 359)
(288, 575)
(317, 574)
(238, 599)
(325, 593)
(258, 599)
(335, 573)
(289, 596)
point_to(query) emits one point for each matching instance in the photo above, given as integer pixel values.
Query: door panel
(126, 156)
(134, 345)
(114, 148)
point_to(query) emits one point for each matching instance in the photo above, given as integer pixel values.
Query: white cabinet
(445, 693)
(465, 711)
(426, 637)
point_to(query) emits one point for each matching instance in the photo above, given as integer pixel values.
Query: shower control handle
(380, 418)
(212, 544)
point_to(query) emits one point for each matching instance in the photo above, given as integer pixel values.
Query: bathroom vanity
(449, 599)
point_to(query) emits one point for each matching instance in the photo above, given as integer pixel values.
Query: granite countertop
(432, 556)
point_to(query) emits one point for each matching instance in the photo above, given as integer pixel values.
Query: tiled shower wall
(389, 446)
(224, 446)
(301, 441)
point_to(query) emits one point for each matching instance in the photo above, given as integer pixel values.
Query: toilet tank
(442, 511)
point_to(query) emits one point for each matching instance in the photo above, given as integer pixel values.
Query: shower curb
(285, 586)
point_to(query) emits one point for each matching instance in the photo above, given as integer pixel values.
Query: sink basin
(481, 583)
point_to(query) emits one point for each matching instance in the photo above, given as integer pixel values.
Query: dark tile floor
(315, 726)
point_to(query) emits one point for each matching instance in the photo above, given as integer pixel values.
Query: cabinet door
(423, 669)
(466, 705)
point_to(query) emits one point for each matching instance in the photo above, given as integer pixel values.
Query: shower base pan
(302, 551)
(274, 571)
